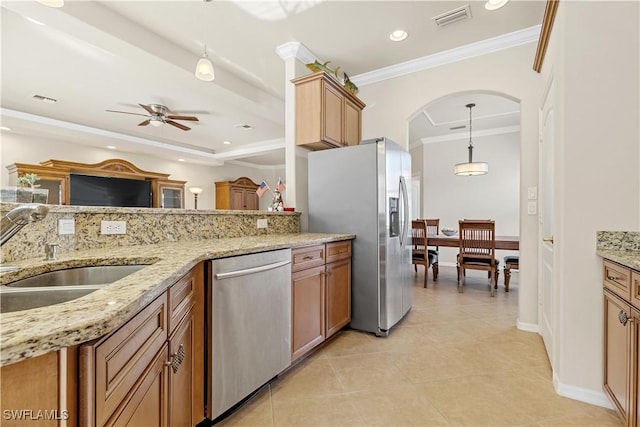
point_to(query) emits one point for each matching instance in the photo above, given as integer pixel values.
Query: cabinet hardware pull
(307, 257)
(624, 318)
(609, 277)
(176, 359)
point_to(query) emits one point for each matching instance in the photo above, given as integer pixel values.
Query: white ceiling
(94, 56)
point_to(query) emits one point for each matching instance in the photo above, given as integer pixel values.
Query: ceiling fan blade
(146, 122)
(149, 110)
(192, 118)
(126, 112)
(178, 125)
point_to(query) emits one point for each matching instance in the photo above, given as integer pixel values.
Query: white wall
(391, 103)
(22, 149)
(493, 196)
(594, 60)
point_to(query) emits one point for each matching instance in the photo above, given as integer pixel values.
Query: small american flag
(280, 186)
(262, 189)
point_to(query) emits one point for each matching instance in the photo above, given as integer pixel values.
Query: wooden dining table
(510, 243)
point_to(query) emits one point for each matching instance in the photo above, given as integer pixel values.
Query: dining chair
(477, 251)
(433, 229)
(420, 254)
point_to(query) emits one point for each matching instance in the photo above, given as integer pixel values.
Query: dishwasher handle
(247, 271)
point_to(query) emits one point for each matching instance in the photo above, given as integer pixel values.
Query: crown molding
(483, 47)
(295, 50)
(464, 135)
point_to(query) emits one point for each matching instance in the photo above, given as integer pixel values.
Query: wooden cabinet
(40, 391)
(144, 373)
(327, 115)
(320, 294)
(54, 175)
(621, 341)
(239, 194)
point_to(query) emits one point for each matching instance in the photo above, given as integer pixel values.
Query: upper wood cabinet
(239, 194)
(54, 175)
(327, 115)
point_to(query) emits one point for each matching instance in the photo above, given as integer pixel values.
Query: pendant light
(471, 168)
(204, 67)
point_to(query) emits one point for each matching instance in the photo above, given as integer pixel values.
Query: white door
(545, 230)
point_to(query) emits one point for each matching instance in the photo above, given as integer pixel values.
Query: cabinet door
(308, 308)
(338, 296)
(635, 360)
(147, 405)
(237, 198)
(617, 353)
(352, 130)
(250, 200)
(181, 374)
(333, 102)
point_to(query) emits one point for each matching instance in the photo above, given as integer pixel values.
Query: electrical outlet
(532, 208)
(262, 223)
(113, 227)
(66, 226)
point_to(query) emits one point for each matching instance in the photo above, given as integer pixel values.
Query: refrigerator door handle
(405, 212)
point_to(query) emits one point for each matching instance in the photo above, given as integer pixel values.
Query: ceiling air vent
(455, 15)
(45, 99)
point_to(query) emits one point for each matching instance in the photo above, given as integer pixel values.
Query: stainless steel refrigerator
(363, 190)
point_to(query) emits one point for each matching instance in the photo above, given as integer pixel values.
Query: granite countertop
(622, 247)
(30, 333)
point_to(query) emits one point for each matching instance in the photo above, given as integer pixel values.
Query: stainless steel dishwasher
(249, 325)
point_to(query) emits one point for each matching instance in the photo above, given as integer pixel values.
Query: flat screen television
(91, 190)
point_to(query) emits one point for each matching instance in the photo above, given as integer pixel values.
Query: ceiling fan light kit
(158, 116)
(471, 168)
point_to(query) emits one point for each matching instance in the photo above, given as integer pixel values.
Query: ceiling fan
(159, 115)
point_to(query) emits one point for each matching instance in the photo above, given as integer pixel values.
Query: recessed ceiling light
(398, 35)
(4, 128)
(111, 147)
(243, 126)
(181, 160)
(35, 21)
(495, 4)
(227, 142)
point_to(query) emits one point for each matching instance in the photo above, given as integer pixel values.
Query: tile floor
(455, 360)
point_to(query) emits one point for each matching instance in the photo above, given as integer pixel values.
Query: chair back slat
(418, 234)
(477, 238)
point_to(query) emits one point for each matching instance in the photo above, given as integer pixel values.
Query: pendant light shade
(204, 68)
(471, 168)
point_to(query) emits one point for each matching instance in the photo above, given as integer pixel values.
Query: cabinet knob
(610, 277)
(623, 317)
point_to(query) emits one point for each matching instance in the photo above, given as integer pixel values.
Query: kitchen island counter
(30, 333)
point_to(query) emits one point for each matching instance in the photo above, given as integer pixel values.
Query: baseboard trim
(582, 394)
(527, 327)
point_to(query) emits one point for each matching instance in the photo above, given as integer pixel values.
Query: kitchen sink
(93, 275)
(60, 286)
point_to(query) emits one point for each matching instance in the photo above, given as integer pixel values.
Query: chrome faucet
(17, 218)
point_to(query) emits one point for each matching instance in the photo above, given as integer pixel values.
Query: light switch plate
(532, 208)
(113, 227)
(532, 193)
(66, 226)
(262, 223)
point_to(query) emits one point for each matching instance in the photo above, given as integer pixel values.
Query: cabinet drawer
(617, 279)
(308, 257)
(338, 250)
(122, 358)
(180, 300)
